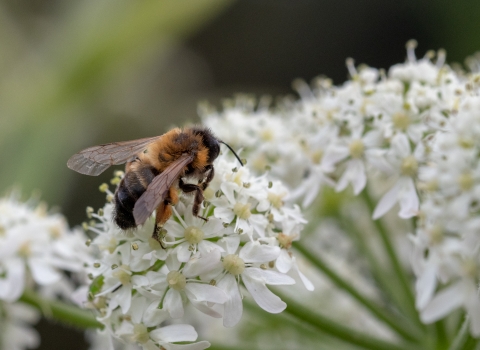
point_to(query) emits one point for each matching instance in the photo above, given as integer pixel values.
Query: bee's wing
(158, 189)
(94, 160)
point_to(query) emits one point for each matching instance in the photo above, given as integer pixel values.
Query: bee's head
(209, 141)
(212, 144)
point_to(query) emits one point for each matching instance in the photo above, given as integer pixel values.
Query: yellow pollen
(286, 240)
(266, 135)
(356, 148)
(140, 334)
(259, 163)
(112, 245)
(466, 143)
(317, 156)
(24, 250)
(236, 177)
(208, 194)
(431, 185)
(233, 264)
(103, 187)
(276, 199)
(123, 274)
(470, 268)
(41, 210)
(176, 280)
(193, 235)
(466, 181)
(401, 120)
(242, 210)
(115, 181)
(100, 303)
(436, 234)
(409, 166)
(89, 211)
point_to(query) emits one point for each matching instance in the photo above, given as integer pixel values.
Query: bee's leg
(189, 188)
(210, 174)
(163, 213)
(158, 234)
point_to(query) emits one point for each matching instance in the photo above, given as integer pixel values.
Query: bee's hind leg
(163, 213)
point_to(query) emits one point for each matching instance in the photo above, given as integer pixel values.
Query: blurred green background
(78, 73)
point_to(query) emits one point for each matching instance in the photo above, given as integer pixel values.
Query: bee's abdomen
(132, 186)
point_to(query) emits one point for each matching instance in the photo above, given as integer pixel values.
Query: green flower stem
(405, 282)
(264, 317)
(441, 334)
(462, 337)
(335, 329)
(60, 311)
(404, 329)
(229, 347)
(388, 286)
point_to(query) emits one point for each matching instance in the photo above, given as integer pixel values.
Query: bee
(155, 168)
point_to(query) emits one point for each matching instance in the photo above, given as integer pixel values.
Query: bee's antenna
(231, 149)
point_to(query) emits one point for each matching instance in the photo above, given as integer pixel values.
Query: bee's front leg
(210, 171)
(198, 200)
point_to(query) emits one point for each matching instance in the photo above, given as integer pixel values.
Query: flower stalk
(405, 281)
(403, 329)
(335, 329)
(60, 311)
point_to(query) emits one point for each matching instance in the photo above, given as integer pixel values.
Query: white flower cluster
(447, 241)
(414, 129)
(141, 289)
(36, 248)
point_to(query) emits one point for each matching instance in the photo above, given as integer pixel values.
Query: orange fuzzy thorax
(172, 145)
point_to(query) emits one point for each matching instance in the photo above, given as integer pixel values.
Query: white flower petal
(268, 276)
(306, 282)
(230, 244)
(201, 265)
(401, 145)
(233, 307)
(173, 303)
(263, 296)
(183, 252)
(201, 345)
(408, 199)
(205, 247)
(43, 273)
(255, 252)
(387, 201)
(174, 229)
(205, 308)
(174, 333)
(360, 180)
(224, 214)
(443, 303)
(123, 297)
(284, 261)
(425, 285)
(205, 292)
(138, 306)
(11, 287)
